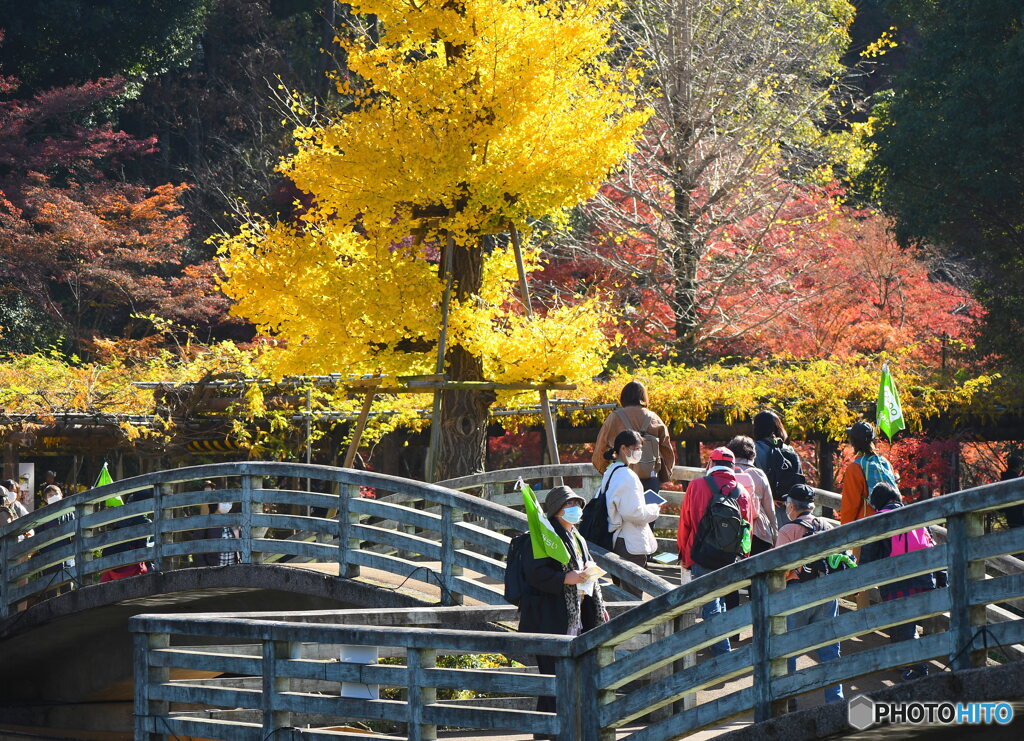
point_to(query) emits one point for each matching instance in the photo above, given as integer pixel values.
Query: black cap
(557, 498)
(801, 493)
(861, 432)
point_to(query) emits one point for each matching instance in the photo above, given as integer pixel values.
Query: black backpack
(783, 471)
(719, 538)
(519, 549)
(594, 525)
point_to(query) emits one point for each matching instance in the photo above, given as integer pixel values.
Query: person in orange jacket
(867, 469)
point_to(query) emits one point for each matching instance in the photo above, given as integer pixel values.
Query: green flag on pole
(102, 480)
(889, 414)
(543, 538)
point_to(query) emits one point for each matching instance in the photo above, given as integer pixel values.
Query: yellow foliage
(819, 398)
(815, 398)
(465, 118)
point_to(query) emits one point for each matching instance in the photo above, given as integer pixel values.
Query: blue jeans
(906, 631)
(710, 609)
(830, 652)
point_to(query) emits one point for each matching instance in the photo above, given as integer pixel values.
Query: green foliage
(60, 42)
(947, 162)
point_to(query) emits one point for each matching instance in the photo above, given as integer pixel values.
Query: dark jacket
(1014, 514)
(64, 518)
(880, 549)
(207, 559)
(129, 545)
(542, 608)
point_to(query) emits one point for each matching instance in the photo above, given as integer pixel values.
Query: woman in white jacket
(629, 515)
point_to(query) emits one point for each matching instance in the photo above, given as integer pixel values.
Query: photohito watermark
(863, 712)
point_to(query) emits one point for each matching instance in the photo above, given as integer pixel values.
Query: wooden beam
(357, 432)
(545, 405)
(442, 341)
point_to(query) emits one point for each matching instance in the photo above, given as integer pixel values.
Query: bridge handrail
(601, 677)
(67, 552)
(771, 601)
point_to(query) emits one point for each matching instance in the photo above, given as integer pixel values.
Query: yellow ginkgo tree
(463, 120)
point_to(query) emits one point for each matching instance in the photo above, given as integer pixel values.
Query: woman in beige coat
(633, 414)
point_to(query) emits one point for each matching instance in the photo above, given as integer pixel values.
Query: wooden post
(357, 433)
(693, 453)
(567, 703)
(964, 619)
(247, 508)
(545, 404)
(592, 697)
(660, 632)
(146, 676)
(309, 434)
(5, 586)
(826, 464)
(421, 693)
(765, 625)
(10, 446)
(161, 516)
(273, 685)
(81, 533)
(346, 544)
(449, 544)
(433, 452)
(689, 660)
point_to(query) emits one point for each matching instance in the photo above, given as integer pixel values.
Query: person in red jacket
(721, 468)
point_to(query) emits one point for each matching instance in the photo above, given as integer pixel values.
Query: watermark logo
(862, 712)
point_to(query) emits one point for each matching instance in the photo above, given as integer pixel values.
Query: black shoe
(914, 672)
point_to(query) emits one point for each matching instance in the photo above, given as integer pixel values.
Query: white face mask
(10, 496)
(633, 456)
(53, 498)
(224, 507)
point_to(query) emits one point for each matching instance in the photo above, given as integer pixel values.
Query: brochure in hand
(652, 497)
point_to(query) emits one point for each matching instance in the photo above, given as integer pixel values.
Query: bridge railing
(499, 487)
(422, 532)
(602, 688)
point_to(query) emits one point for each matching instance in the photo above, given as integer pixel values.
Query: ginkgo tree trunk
(463, 119)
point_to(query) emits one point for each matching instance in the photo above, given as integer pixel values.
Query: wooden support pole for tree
(309, 431)
(545, 404)
(357, 433)
(442, 345)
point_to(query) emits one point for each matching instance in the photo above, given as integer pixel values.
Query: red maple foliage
(813, 278)
(78, 243)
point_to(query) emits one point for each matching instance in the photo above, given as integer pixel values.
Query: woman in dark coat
(230, 532)
(883, 498)
(552, 603)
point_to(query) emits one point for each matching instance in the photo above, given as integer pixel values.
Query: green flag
(102, 480)
(543, 538)
(889, 414)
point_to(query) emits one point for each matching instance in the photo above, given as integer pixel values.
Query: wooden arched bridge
(424, 565)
